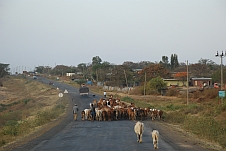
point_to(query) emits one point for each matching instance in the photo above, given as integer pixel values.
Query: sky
(69, 32)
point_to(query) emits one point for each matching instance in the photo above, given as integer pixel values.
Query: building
(201, 82)
(175, 82)
(69, 74)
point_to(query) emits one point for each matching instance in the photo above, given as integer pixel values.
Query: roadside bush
(206, 128)
(43, 118)
(46, 116)
(81, 81)
(2, 142)
(196, 95)
(128, 99)
(175, 117)
(210, 93)
(148, 91)
(136, 91)
(156, 84)
(173, 107)
(192, 109)
(172, 92)
(25, 101)
(151, 91)
(25, 127)
(11, 116)
(11, 128)
(136, 102)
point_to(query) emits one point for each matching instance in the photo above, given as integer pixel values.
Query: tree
(216, 76)
(199, 70)
(153, 71)
(156, 84)
(4, 68)
(82, 67)
(174, 61)
(165, 62)
(39, 69)
(121, 76)
(211, 65)
(60, 70)
(96, 60)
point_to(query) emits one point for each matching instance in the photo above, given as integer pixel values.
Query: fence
(110, 88)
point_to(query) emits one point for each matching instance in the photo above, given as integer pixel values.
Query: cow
(87, 114)
(155, 137)
(104, 115)
(139, 113)
(139, 129)
(131, 113)
(154, 113)
(98, 114)
(83, 115)
(159, 115)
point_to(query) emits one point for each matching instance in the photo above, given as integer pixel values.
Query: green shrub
(2, 142)
(46, 116)
(10, 116)
(136, 102)
(26, 101)
(206, 128)
(81, 81)
(156, 84)
(192, 109)
(11, 128)
(127, 99)
(175, 117)
(173, 107)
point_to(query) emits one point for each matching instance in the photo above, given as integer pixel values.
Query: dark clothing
(93, 112)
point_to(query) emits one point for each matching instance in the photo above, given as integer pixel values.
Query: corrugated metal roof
(201, 78)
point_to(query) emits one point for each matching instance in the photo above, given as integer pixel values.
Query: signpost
(61, 95)
(221, 94)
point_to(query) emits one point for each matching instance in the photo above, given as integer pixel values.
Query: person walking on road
(105, 94)
(93, 112)
(75, 111)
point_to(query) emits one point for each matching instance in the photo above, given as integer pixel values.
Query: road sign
(221, 94)
(65, 91)
(60, 95)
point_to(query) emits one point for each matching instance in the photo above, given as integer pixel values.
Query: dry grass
(26, 104)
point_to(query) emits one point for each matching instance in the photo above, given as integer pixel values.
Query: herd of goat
(113, 109)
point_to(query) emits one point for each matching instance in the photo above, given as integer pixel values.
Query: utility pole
(187, 82)
(222, 93)
(145, 83)
(126, 78)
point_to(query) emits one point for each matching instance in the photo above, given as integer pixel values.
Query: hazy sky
(69, 32)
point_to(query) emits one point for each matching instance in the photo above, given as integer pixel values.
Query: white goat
(155, 137)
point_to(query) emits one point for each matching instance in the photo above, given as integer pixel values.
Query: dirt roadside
(41, 133)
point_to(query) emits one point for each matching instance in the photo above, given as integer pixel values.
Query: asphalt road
(105, 135)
